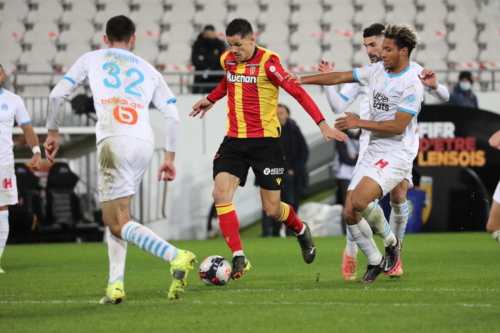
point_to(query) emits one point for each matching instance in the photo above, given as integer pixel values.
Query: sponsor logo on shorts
(7, 183)
(278, 180)
(274, 171)
(381, 164)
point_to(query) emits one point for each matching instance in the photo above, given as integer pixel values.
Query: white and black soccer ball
(215, 271)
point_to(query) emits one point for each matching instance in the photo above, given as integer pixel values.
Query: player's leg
(4, 231)
(363, 198)
(399, 217)
(493, 225)
(283, 212)
(8, 196)
(349, 263)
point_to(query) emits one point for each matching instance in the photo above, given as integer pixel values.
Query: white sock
(366, 244)
(238, 253)
(374, 215)
(351, 248)
(399, 218)
(4, 229)
(146, 239)
(496, 235)
(301, 231)
(117, 252)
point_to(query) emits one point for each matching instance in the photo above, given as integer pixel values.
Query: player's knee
(116, 230)
(272, 211)
(398, 195)
(220, 196)
(359, 203)
(349, 216)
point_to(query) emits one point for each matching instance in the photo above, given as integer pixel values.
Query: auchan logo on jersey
(440, 147)
(124, 111)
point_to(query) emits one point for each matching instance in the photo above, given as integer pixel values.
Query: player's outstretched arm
(32, 140)
(396, 126)
(276, 73)
(429, 80)
(338, 102)
(322, 78)
(495, 140)
(202, 107)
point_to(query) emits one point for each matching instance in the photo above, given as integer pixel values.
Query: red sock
(290, 219)
(230, 226)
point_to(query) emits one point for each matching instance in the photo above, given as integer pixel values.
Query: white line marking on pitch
(264, 303)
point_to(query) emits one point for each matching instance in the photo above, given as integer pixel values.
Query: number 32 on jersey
(124, 115)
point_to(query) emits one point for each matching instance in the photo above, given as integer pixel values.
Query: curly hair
(402, 35)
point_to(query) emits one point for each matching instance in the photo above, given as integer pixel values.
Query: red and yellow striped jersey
(252, 90)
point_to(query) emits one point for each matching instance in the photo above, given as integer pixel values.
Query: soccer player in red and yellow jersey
(252, 81)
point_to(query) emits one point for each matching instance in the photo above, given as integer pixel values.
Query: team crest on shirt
(5, 106)
(392, 91)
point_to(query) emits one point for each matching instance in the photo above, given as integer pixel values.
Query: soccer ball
(215, 271)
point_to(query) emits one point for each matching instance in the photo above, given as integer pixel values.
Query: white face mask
(465, 86)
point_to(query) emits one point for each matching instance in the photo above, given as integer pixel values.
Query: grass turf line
(449, 285)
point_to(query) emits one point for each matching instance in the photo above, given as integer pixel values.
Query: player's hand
(201, 107)
(51, 145)
(36, 161)
(495, 140)
(428, 79)
(292, 76)
(325, 67)
(349, 122)
(334, 134)
(167, 168)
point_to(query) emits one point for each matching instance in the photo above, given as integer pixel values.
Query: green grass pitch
(450, 284)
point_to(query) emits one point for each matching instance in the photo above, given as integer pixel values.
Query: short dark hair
(209, 27)
(376, 29)
(239, 26)
(120, 29)
(286, 108)
(466, 75)
(402, 35)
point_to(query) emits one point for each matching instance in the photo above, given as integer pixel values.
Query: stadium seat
(338, 34)
(210, 3)
(148, 13)
(35, 91)
(275, 13)
(283, 50)
(399, 2)
(50, 8)
(65, 59)
(180, 12)
(148, 32)
(468, 8)
(339, 52)
(339, 15)
(371, 12)
(97, 41)
(488, 17)
(401, 13)
(368, 2)
(489, 35)
(310, 13)
(80, 11)
(431, 37)
(210, 15)
(14, 10)
(305, 2)
(147, 51)
(250, 11)
(10, 55)
(11, 29)
(274, 33)
(439, 47)
(178, 33)
(75, 36)
(432, 13)
(463, 53)
(78, 48)
(428, 55)
(436, 28)
(360, 58)
(305, 55)
(307, 33)
(111, 10)
(464, 31)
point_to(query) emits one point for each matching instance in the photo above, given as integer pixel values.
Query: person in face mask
(462, 93)
(205, 57)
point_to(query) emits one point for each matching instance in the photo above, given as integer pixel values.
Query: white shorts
(496, 195)
(8, 185)
(387, 169)
(121, 163)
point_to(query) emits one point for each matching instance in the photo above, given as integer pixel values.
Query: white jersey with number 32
(123, 85)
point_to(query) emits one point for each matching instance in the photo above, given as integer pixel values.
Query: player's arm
(396, 126)
(206, 104)
(323, 79)
(276, 73)
(433, 88)
(24, 121)
(164, 100)
(338, 102)
(68, 84)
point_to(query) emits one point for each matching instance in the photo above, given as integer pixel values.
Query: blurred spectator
(344, 161)
(206, 57)
(295, 176)
(462, 93)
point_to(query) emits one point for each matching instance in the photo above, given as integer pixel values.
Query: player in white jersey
(395, 93)
(339, 102)
(493, 225)
(12, 110)
(123, 85)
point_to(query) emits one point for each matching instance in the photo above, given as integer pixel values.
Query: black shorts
(264, 155)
